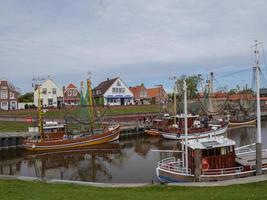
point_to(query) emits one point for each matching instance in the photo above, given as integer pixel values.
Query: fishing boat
(195, 133)
(215, 158)
(240, 123)
(196, 128)
(55, 141)
(158, 125)
(209, 159)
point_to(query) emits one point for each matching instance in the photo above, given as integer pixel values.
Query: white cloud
(157, 37)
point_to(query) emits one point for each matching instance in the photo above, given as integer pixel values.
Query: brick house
(9, 95)
(157, 95)
(140, 94)
(71, 95)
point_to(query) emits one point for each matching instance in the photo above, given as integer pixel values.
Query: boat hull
(239, 124)
(174, 177)
(192, 136)
(108, 136)
(166, 176)
(152, 132)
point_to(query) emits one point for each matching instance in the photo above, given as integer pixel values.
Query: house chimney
(64, 88)
(107, 79)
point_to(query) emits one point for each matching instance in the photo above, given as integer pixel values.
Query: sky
(141, 41)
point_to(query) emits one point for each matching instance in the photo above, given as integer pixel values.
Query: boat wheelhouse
(209, 159)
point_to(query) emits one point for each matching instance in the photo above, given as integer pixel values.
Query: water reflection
(130, 160)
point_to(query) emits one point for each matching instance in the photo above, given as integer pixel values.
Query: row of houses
(109, 92)
(9, 95)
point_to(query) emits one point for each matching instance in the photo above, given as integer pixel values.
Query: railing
(246, 148)
(173, 165)
(223, 171)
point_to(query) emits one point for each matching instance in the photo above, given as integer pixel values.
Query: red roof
(156, 92)
(137, 89)
(71, 85)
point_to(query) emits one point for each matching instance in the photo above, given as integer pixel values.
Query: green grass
(13, 126)
(60, 113)
(16, 189)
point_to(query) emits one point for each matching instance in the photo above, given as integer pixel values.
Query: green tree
(192, 84)
(26, 98)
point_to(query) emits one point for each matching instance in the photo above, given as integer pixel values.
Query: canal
(129, 160)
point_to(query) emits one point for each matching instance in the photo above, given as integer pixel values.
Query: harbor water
(130, 160)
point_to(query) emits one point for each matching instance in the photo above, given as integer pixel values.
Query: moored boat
(236, 123)
(196, 133)
(209, 159)
(65, 140)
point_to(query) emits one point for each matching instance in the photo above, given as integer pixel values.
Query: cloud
(152, 39)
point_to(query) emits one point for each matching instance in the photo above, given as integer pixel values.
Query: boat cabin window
(217, 151)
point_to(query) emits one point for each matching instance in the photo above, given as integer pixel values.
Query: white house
(113, 92)
(51, 94)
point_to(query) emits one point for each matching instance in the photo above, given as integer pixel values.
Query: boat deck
(249, 158)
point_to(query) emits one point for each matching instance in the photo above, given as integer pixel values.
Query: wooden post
(198, 164)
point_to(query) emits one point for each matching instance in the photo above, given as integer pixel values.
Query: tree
(26, 98)
(192, 83)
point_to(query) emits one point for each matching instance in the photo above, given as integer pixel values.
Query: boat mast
(40, 113)
(174, 99)
(185, 126)
(90, 102)
(258, 137)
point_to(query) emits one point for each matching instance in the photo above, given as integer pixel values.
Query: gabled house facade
(112, 92)
(9, 95)
(71, 95)
(157, 95)
(140, 94)
(51, 94)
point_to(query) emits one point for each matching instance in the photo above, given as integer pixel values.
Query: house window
(11, 95)
(119, 83)
(44, 91)
(98, 92)
(4, 94)
(54, 90)
(74, 92)
(50, 102)
(70, 93)
(4, 104)
(113, 90)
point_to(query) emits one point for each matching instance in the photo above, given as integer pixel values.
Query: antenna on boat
(185, 126)
(174, 98)
(37, 86)
(258, 137)
(90, 101)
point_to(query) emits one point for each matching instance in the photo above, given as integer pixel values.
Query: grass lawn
(60, 113)
(13, 126)
(15, 189)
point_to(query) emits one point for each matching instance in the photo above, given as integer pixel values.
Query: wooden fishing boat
(152, 132)
(236, 123)
(195, 133)
(215, 158)
(65, 140)
(209, 159)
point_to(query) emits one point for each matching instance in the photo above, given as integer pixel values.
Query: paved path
(118, 185)
(252, 179)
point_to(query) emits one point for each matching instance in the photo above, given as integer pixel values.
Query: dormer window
(118, 83)
(54, 90)
(44, 91)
